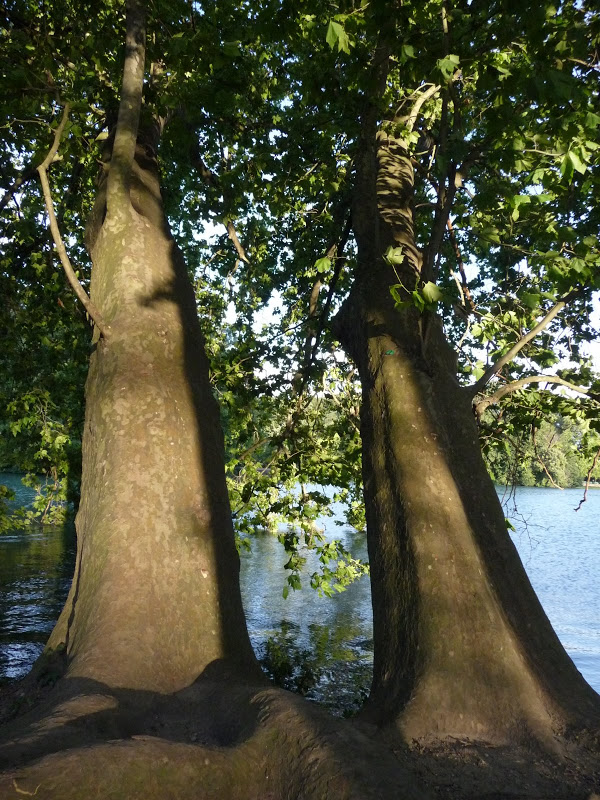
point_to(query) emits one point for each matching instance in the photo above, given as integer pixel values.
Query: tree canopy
(262, 109)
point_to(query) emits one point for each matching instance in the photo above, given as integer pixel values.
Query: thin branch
(464, 289)
(209, 177)
(232, 233)
(514, 386)
(310, 351)
(478, 387)
(123, 152)
(353, 419)
(584, 63)
(411, 120)
(82, 295)
(588, 479)
(337, 250)
(448, 184)
(442, 215)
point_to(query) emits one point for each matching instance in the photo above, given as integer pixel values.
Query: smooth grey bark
(155, 597)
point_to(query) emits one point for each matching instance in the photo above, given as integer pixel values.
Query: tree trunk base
(218, 739)
(222, 739)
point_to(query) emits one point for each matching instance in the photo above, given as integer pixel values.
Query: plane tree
(377, 140)
(464, 148)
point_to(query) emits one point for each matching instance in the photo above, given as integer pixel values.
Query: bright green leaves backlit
(336, 35)
(323, 264)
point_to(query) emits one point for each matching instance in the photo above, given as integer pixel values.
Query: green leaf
(336, 34)
(566, 167)
(418, 300)
(577, 162)
(448, 65)
(231, 49)
(394, 256)
(432, 293)
(530, 299)
(407, 51)
(490, 234)
(394, 291)
(592, 120)
(323, 264)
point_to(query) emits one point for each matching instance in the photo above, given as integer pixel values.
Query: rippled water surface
(559, 548)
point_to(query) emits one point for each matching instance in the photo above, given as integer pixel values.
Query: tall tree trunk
(462, 645)
(155, 598)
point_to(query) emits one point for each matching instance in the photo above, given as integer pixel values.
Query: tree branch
(82, 295)
(464, 287)
(411, 120)
(123, 152)
(478, 387)
(588, 478)
(232, 233)
(310, 347)
(209, 177)
(317, 321)
(541, 461)
(514, 386)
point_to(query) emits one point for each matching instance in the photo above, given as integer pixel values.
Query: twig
(465, 292)
(336, 250)
(80, 292)
(540, 460)
(9, 192)
(310, 352)
(236, 242)
(588, 479)
(212, 179)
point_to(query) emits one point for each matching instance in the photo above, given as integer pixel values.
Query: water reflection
(334, 668)
(334, 635)
(35, 575)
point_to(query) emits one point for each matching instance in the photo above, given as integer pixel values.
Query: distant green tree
(557, 451)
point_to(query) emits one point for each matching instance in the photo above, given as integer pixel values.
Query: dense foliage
(261, 107)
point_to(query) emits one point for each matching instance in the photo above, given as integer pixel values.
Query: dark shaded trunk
(462, 645)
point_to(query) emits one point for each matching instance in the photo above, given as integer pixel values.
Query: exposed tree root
(224, 740)
(212, 740)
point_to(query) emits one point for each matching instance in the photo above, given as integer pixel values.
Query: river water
(324, 646)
